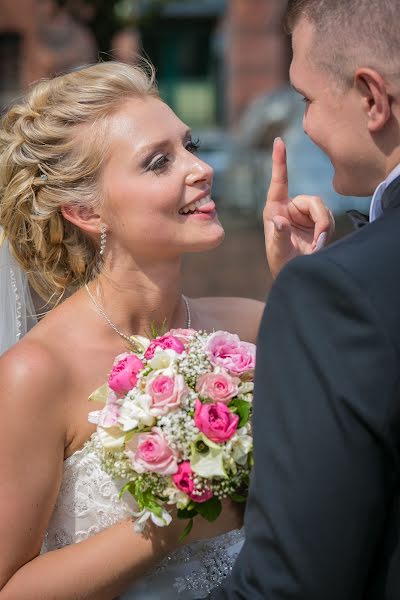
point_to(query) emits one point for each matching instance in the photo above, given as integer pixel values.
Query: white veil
(17, 313)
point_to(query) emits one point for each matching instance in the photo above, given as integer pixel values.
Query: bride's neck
(136, 297)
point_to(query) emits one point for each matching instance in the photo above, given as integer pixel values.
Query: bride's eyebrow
(162, 144)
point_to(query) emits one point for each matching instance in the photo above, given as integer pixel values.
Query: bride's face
(150, 180)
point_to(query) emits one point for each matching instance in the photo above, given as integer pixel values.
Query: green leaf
(209, 510)
(241, 408)
(187, 513)
(186, 531)
(238, 498)
(151, 503)
(128, 487)
(101, 394)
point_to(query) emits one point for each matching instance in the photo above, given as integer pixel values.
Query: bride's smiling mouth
(204, 207)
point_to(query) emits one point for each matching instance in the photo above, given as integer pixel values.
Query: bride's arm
(32, 439)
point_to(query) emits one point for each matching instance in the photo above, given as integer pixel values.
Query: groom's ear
(374, 97)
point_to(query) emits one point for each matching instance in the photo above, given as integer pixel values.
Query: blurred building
(213, 57)
(38, 38)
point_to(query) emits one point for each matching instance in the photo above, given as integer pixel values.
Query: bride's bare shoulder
(238, 315)
(30, 367)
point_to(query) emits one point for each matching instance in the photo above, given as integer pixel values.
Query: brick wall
(256, 51)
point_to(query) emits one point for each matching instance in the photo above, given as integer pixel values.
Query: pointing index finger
(279, 186)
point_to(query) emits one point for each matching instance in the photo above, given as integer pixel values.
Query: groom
(323, 516)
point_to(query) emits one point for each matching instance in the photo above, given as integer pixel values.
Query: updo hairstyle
(53, 145)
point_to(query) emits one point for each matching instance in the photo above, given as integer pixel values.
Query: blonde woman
(101, 195)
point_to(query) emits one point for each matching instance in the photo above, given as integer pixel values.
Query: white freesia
(163, 359)
(135, 412)
(111, 438)
(95, 416)
(145, 514)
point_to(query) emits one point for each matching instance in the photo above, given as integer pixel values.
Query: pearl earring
(103, 239)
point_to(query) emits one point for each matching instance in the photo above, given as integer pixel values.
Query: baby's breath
(194, 362)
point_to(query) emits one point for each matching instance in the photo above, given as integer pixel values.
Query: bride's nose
(199, 171)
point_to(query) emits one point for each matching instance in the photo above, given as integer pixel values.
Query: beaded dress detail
(88, 502)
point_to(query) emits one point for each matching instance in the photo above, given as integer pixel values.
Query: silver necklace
(128, 339)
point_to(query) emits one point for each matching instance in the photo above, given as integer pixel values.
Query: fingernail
(277, 139)
(278, 226)
(321, 241)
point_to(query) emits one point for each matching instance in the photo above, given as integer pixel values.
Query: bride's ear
(83, 217)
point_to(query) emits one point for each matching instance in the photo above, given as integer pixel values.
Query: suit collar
(377, 204)
(391, 195)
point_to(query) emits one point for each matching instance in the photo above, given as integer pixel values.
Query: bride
(101, 194)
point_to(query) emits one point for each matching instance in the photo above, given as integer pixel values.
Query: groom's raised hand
(293, 226)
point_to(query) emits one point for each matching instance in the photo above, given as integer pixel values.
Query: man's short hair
(352, 33)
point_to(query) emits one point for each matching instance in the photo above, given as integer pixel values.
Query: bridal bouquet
(175, 428)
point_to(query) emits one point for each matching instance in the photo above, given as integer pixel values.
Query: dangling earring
(103, 239)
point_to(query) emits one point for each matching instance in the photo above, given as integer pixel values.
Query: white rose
(241, 448)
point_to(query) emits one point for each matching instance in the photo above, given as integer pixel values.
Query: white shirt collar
(376, 210)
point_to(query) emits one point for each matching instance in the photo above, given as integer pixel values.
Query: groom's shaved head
(351, 34)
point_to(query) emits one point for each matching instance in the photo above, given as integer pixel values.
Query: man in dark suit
(323, 515)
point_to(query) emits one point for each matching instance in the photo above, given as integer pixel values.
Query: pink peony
(166, 393)
(150, 452)
(219, 387)
(183, 335)
(164, 342)
(183, 480)
(228, 351)
(123, 376)
(216, 421)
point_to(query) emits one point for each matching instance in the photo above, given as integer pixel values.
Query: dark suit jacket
(323, 515)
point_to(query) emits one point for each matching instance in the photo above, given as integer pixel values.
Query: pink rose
(150, 452)
(166, 393)
(228, 351)
(218, 386)
(183, 335)
(216, 421)
(164, 342)
(183, 480)
(123, 376)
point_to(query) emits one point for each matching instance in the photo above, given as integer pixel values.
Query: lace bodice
(88, 502)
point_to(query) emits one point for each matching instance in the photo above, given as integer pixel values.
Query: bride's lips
(206, 211)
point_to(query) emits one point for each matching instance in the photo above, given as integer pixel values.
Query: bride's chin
(207, 241)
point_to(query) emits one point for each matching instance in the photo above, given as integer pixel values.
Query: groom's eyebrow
(298, 90)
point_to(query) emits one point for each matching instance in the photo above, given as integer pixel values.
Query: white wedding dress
(88, 502)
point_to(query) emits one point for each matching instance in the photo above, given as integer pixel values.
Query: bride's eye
(305, 100)
(193, 145)
(159, 164)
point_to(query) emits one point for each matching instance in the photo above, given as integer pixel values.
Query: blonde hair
(52, 149)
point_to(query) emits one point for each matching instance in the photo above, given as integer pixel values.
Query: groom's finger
(310, 211)
(279, 186)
